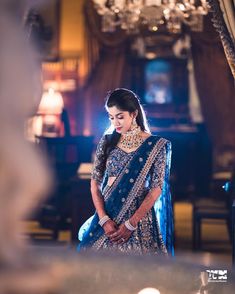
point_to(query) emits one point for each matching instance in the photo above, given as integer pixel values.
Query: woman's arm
(123, 234)
(96, 180)
(97, 175)
(145, 206)
(156, 184)
(97, 198)
(110, 226)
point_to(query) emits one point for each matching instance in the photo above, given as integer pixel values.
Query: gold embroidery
(141, 178)
(135, 192)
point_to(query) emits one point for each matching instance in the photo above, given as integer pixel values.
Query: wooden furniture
(65, 154)
(191, 160)
(212, 209)
(81, 205)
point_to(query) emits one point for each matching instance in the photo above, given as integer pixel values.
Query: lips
(118, 129)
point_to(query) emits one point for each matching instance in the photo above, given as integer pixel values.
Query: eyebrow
(116, 114)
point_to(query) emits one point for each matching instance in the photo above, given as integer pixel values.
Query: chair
(212, 209)
(64, 155)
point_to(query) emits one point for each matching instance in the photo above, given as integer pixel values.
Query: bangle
(129, 226)
(103, 220)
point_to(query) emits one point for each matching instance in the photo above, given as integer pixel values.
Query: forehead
(115, 111)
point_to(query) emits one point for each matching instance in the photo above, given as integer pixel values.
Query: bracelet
(129, 226)
(103, 220)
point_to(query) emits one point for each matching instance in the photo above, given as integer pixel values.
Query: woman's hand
(110, 227)
(121, 235)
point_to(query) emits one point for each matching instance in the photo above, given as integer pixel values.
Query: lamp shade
(51, 103)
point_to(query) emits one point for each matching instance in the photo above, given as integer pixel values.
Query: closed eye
(118, 117)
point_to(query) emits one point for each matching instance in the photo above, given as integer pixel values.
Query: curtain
(224, 22)
(215, 87)
(107, 55)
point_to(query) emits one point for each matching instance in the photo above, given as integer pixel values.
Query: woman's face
(120, 119)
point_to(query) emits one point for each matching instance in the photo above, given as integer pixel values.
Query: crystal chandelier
(129, 15)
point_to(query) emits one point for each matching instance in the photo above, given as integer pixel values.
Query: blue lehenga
(139, 171)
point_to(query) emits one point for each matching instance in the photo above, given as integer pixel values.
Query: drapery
(224, 22)
(108, 66)
(215, 86)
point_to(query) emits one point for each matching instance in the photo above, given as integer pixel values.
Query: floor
(216, 248)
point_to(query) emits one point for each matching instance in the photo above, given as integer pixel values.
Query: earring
(134, 123)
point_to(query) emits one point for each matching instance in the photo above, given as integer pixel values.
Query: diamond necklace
(131, 139)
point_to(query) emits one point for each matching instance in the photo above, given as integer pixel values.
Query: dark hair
(125, 100)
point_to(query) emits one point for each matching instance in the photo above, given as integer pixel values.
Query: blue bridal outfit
(136, 174)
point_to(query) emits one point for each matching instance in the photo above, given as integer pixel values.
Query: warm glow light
(51, 102)
(181, 6)
(150, 55)
(149, 291)
(50, 119)
(129, 15)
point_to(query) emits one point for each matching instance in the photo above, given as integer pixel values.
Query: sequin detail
(116, 161)
(147, 238)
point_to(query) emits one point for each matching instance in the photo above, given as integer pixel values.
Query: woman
(129, 184)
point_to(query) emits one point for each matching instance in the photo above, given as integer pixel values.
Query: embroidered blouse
(118, 158)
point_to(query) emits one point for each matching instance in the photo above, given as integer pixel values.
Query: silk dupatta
(119, 197)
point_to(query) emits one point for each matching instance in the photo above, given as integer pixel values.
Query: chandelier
(129, 15)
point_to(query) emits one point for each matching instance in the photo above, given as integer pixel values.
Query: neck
(132, 131)
(132, 138)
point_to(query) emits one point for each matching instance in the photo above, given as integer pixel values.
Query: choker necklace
(131, 139)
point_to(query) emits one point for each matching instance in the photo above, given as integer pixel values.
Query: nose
(116, 122)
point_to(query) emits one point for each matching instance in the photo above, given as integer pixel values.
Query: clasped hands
(117, 234)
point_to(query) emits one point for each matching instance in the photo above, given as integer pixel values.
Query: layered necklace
(132, 138)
